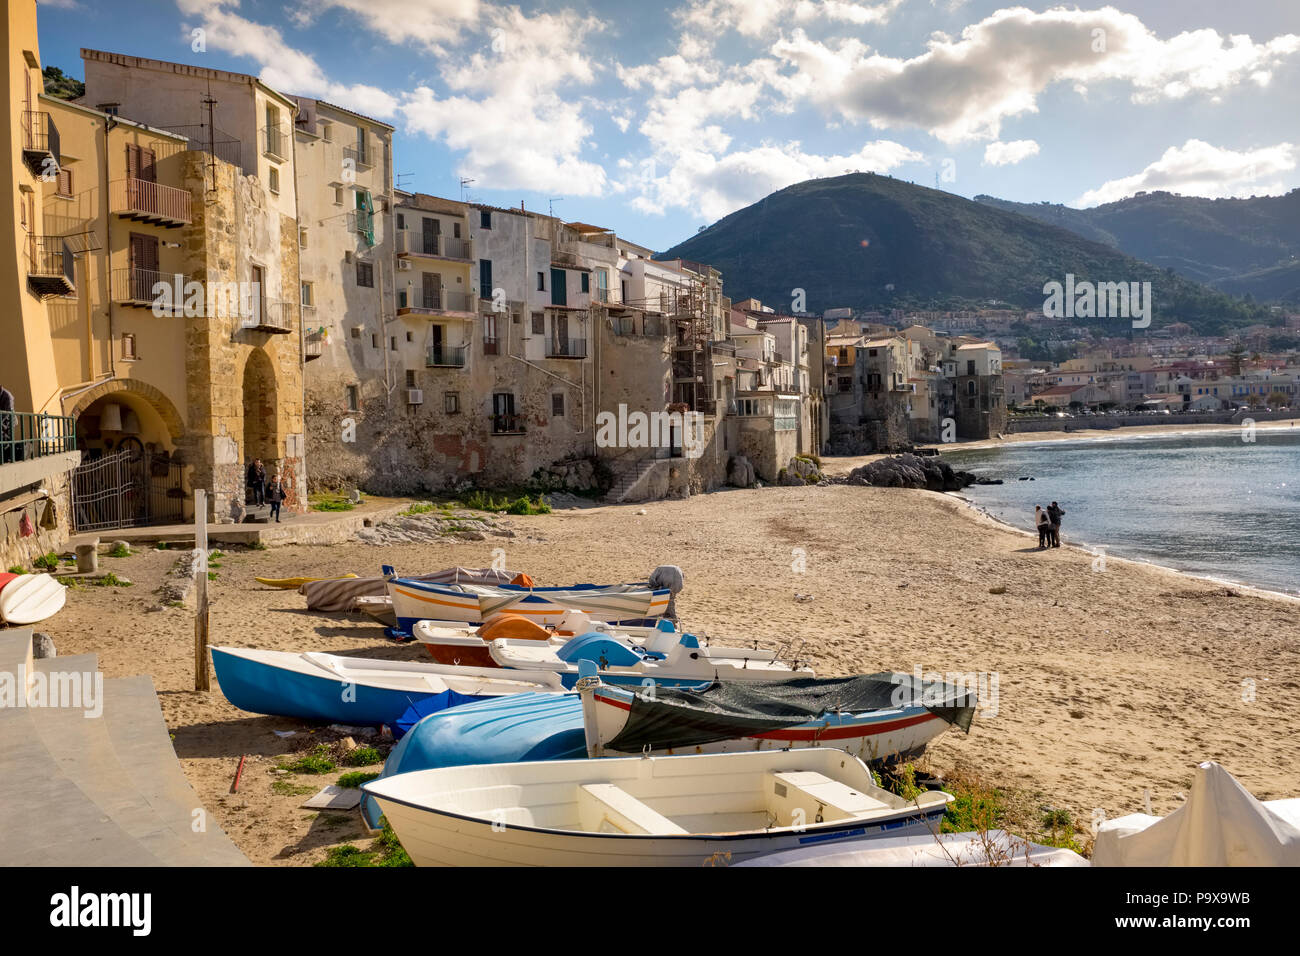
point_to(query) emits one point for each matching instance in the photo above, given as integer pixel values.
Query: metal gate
(127, 489)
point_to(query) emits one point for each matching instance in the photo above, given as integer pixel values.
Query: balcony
(50, 271)
(507, 424)
(566, 348)
(359, 155)
(439, 302)
(142, 201)
(313, 345)
(40, 144)
(275, 142)
(446, 356)
(412, 243)
(134, 288)
(361, 222)
(28, 435)
(491, 344)
(273, 316)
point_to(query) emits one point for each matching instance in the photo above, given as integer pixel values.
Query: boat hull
(415, 601)
(434, 838)
(263, 689)
(462, 655)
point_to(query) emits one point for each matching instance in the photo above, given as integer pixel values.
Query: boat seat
(625, 811)
(816, 792)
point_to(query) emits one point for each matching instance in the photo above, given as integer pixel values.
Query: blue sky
(658, 119)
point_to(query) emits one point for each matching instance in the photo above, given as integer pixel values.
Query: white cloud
(755, 18)
(717, 185)
(431, 24)
(963, 89)
(1199, 169)
(1008, 154)
(283, 67)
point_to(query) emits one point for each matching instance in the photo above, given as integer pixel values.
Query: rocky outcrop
(800, 471)
(574, 474)
(740, 473)
(911, 471)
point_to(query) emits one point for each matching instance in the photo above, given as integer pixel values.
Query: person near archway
(275, 495)
(257, 481)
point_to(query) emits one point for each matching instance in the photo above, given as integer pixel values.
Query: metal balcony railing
(146, 201)
(275, 141)
(40, 144)
(360, 156)
(28, 435)
(446, 356)
(362, 222)
(137, 287)
(507, 424)
(272, 315)
(441, 300)
(412, 243)
(313, 345)
(50, 269)
(566, 348)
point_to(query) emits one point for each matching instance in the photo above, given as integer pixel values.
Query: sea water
(1212, 504)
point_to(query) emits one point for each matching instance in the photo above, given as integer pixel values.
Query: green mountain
(61, 86)
(1242, 246)
(869, 241)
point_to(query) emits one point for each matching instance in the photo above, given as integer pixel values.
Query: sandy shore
(1111, 685)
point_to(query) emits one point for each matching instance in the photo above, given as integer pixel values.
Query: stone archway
(261, 415)
(159, 402)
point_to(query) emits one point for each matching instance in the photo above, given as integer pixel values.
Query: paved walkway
(317, 527)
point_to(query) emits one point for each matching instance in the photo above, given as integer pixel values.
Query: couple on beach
(1048, 521)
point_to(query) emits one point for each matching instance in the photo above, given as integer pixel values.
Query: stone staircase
(628, 473)
(79, 789)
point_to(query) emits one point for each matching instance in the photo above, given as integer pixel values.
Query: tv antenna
(464, 183)
(397, 180)
(550, 205)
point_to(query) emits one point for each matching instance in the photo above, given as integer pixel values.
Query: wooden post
(201, 681)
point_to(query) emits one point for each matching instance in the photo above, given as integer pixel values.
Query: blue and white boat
(355, 690)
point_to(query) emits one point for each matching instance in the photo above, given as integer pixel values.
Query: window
(455, 230)
(484, 219)
(366, 274)
(128, 346)
(338, 195)
(410, 337)
(392, 343)
(356, 332)
(541, 282)
(557, 405)
(401, 221)
(970, 366)
(327, 132)
(451, 402)
(352, 397)
(970, 388)
(307, 294)
(302, 238)
(585, 281)
(273, 180)
(109, 108)
(410, 378)
(539, 323)
(65, 181)
(401, 299)
(485, 278)
(374, 340)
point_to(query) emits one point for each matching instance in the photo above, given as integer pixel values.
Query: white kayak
(30, 598)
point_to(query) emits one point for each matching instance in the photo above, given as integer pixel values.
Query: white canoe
(643, 811)
(30, 598)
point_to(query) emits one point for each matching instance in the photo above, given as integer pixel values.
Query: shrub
(356, 778)
(318, 761)
(363, 757)
(120, 550)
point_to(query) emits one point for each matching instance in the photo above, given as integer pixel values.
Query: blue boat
(353, 690)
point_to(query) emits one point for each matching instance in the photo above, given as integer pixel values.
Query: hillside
(870, 241)
(1238, 245)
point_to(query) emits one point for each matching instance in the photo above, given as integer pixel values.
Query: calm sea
(1211, 504)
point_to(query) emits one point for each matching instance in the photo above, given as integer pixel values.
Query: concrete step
(45, 818)
(81, 747)
(140, 738)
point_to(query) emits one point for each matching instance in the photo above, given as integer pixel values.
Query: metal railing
(313, 344)
(507, 424)
(274, 141)
(441, 300)
(271, 315)
(412, 243)
(360, 156)
(604, 295)
(448, 356)
(211, 140)
(138, 286)
(566, 348)
(361, 221)
(40, 135)
(28, 435)
(48, 257)
(140, 197)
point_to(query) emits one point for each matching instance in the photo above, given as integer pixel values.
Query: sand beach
(1110, 685)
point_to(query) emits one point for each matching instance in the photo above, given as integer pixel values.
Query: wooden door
(144, 267)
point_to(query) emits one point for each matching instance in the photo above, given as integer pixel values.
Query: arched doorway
(261, 434)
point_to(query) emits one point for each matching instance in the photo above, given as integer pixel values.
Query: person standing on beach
(274, 496)
(1044, 526)
(1054, 512)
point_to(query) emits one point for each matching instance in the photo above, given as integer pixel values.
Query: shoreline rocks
(911, 471)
